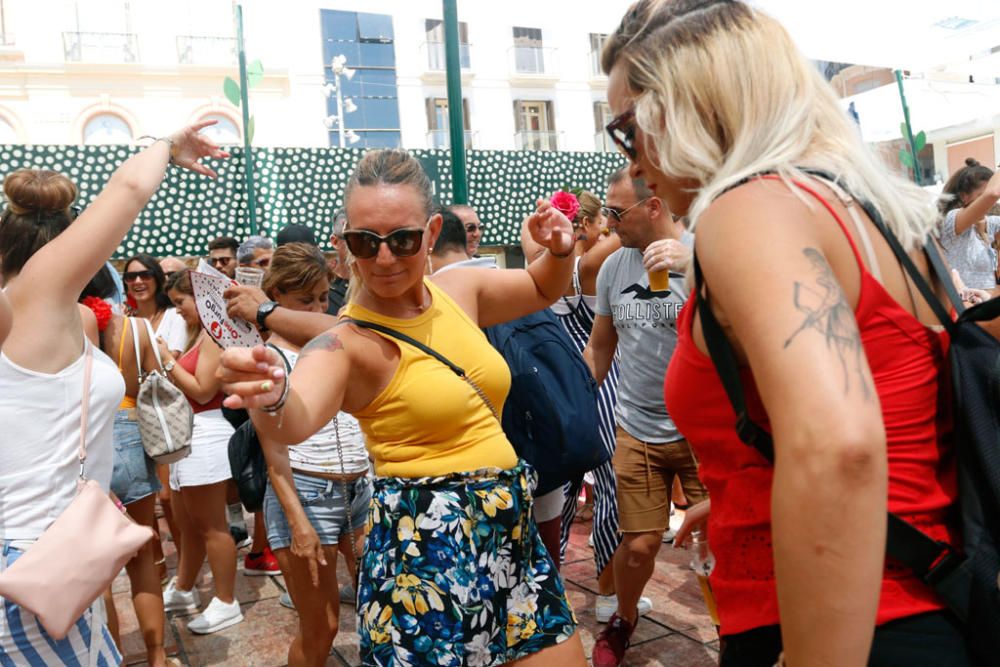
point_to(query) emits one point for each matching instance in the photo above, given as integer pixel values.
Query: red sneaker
(609, 650)
(261, 564)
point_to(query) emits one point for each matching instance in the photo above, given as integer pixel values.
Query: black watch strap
(263, 310)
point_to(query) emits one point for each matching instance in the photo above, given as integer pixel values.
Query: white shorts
(549, 506)
(208, 461)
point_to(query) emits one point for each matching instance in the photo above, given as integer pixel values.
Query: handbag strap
(456, 369)
(931, 560)
(152, 343)
(88, 365)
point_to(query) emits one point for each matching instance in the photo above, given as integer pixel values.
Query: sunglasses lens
(362, 244)
(405, 242)
(130, 276)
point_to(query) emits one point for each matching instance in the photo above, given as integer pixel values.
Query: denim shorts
(134, 474)
(324, 504)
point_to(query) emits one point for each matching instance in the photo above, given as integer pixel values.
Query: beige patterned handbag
(164, 414)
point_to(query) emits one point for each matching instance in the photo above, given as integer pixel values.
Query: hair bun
(34, 190)
(971, 162)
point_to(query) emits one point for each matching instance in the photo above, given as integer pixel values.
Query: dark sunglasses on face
(622, 132)
(262, 263)
(364, 244)
(220, 261)
(131, 276)
(619, 213)
(472, 228)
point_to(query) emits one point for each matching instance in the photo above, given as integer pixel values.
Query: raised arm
(978, 207)
(296, 326)
(501, 296)
(830, 476)
(255, 378)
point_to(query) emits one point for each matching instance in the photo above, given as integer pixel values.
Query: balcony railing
(436, 57)
(532, 60)
(105, 47)
(531, 140)
(442, 139)
(206, 50)
(603, 143)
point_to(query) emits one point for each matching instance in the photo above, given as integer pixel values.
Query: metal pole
(456, 124)
(340, 108)
(245, 105)
(909, 129)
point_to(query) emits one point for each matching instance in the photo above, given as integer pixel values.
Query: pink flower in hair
(566, 203)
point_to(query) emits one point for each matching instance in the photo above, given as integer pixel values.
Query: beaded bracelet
(169, 142)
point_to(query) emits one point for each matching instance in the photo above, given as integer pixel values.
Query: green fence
(305, 186)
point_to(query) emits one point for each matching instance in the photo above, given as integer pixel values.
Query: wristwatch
(169, 366)
(263, 310)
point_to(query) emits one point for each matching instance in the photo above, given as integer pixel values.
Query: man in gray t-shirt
(639, 322)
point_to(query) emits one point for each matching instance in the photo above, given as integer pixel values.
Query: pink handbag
(80, 554)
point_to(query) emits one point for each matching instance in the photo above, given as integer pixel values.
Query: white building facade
(111, 71)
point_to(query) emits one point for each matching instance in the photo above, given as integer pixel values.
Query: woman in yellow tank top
(453, 570)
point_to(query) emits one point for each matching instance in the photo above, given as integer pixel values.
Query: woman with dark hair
(46, 262)
(726, 121)
(145, 283)
(968, 233)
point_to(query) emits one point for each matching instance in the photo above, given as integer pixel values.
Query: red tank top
(189, 362)
(906, 360)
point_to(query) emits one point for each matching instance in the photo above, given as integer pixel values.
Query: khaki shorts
(645, 475)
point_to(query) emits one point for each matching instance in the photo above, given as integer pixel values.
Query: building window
(535, 125)
(529, 56)
(367, 42)
(438, 125)
(435, 45)
(224, 132)
(602, 116)
(107, 128)
(596, 46)
(100, 31)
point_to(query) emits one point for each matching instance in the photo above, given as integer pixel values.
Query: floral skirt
(454, 573)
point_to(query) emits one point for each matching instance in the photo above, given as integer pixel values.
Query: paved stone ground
(677, 633)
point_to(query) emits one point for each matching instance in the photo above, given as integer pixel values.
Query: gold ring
(266, 386)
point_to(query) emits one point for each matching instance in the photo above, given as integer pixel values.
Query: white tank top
(40, 414)
(319, 453)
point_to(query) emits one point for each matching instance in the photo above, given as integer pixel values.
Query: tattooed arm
(783, 277)
(255, 378)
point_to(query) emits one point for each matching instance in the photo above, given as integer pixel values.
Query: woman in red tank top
(838, 360)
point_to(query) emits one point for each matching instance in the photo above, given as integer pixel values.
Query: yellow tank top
(428, 421)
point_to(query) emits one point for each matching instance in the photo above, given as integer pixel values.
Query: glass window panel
(375, 27)
(224, 132)
(371, 139)
(379, 113)
(333, 48)
(107, 129)
(527, 36)
(377, 55)
(336, 25)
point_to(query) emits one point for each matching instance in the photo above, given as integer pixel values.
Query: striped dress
(577, 317)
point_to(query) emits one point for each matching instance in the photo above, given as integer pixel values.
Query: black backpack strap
(930, 560)
(399, 335)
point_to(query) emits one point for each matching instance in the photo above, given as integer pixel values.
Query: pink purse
(80, 554)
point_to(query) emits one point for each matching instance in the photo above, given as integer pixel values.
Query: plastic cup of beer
(659, 281)
(250, 276)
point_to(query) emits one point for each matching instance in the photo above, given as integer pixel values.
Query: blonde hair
(590, 206)
(724, 94)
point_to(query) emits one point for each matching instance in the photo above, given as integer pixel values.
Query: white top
(173, 330)
(319, 453)
(974, 260)
(40, 413)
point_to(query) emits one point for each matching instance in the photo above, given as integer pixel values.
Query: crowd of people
(377, 399)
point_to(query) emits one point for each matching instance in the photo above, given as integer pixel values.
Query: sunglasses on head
(364, 244)
(619, 213)
(621, 129)
(131, 276)
(220, 261)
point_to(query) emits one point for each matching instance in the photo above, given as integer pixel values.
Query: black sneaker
(240, 536)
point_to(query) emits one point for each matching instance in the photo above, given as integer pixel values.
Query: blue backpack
(551, 412)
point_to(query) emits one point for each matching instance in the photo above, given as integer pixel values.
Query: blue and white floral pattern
(454, 573)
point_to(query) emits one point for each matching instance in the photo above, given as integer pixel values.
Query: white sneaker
(607, 605)
(668, 535)
(217, 616)
(174, 599)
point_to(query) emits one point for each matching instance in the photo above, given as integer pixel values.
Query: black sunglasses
(622, 132)
(619, 213)
(145, 274)
(221, 261)
(472, 227)
(364, 244)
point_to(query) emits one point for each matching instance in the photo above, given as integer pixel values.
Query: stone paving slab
(677, 633)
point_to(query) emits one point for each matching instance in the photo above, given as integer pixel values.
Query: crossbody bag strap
(456, 369)
(88, 366)
(135, 341)
(152, 343)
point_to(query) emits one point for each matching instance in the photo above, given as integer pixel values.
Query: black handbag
(246, 459)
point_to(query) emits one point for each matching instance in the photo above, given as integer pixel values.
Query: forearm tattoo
(325, 342)
(827, 312)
